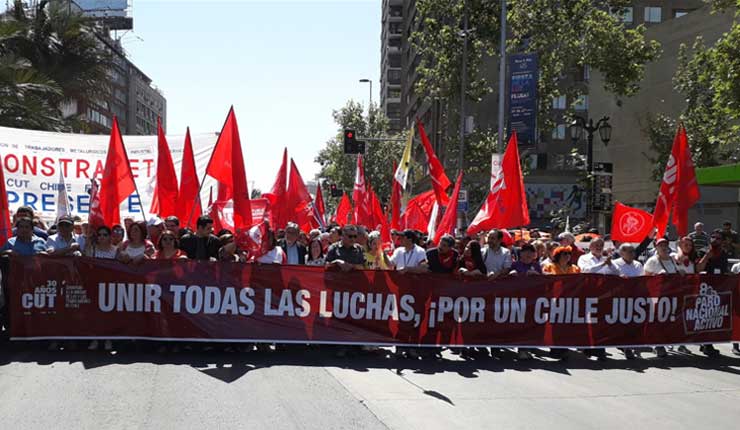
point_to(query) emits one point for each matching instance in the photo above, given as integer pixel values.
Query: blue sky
(284, 65)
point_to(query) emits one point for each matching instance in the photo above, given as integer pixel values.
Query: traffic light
(351, 144)
(335, 192)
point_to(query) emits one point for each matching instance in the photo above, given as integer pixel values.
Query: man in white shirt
(65, 242)
(496, 258)
(410, 257)
(627, 266)
(595, 261)
(661, 263)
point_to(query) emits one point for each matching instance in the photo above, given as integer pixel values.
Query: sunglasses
(168, 239)
(351, 236)
(117, 231)
(103, 235)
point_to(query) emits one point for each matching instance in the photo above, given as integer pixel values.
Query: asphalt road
(139, 388)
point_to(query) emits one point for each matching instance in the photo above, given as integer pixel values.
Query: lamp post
(577, 127)
(369, 81)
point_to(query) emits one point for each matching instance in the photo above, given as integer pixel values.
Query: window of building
(623, 14)
(396, 11)
(652, 13)
(581, 103)
(394, 76)
(394, 93)
(394, 60)
(558, 133)
(559, 102)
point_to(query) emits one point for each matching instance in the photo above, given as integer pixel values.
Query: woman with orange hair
(560, 264)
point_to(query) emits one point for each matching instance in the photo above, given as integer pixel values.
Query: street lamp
(577, 127)
(371, 94)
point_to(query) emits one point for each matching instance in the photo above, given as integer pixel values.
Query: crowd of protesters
(492, 254)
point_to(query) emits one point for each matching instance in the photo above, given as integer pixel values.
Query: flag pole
(202, 182)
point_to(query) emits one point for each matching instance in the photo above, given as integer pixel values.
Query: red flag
(396, 203)
(447, 225)
(118, 181)
(6, 228)
(318, 204)
(440, 181)
(418, 211)
(679, 189)
(165, 192)
(344, 211)
(506, 205)
(379, 218)
(95, 219)
(687, 193)
(630, 224)
(188, 202)
(299, 201)
(360, 197)
(227, 167)
(276, 196)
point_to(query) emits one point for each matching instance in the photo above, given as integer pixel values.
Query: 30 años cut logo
(43, 297)
(709, 311)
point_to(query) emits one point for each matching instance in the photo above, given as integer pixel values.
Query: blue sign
(523, 76)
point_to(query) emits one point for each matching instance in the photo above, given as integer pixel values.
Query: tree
(709, 79)
(566, 36)
(50, 55)
(339, 168)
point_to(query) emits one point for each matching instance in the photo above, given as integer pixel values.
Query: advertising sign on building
(523, 76)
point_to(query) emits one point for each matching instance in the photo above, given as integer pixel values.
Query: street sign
(463, 196)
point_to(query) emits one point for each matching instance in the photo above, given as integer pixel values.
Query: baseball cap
(661, 240)
(155, 220)
(66, 219)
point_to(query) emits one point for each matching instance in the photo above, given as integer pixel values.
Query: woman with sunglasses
(100, 245)
(167, 247)
(561, 262)
(116, 235)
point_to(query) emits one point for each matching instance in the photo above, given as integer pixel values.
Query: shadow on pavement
(228, 364)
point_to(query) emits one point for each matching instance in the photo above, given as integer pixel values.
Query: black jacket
(209, 247)
(302, 251)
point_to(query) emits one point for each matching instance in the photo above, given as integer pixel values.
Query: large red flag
(227, 167)
(278, 203)
(506, 205)
(118, 181)
(418, 211)
(318, 204)
(95, 218)
(379, 218)
(299, 200)
(344, 211)
(6, 228)
(630, 224)
(679, 189)
(395, 203)
(447, 225)
(440, 181)
(360, 196)
(165, 192)
(189, 207)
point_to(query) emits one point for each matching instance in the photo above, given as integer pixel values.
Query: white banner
(32, 161)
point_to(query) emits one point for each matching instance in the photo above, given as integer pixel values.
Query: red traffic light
(350, 135)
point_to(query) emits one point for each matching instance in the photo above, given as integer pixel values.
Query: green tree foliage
(48, 56)
(709, 79)
(566, 35)
(339, 168)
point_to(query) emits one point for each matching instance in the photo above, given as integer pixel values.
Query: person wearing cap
(293, 249)
(496, 258)
(155, 227)
(661, 263)
(628, 267)
(527, 264)
(65, 241)
(597, 260)
(410, 257)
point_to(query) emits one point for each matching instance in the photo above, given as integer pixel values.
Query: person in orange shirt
(561, 262)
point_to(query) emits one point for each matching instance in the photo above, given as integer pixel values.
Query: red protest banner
(214, 301)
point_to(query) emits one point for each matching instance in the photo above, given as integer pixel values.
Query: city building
(554, 176)
(629, 149)
(133, 99)
(391, 38)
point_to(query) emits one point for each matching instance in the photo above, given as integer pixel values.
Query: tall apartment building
(391, 40)
(133, 99)
(552, 181)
